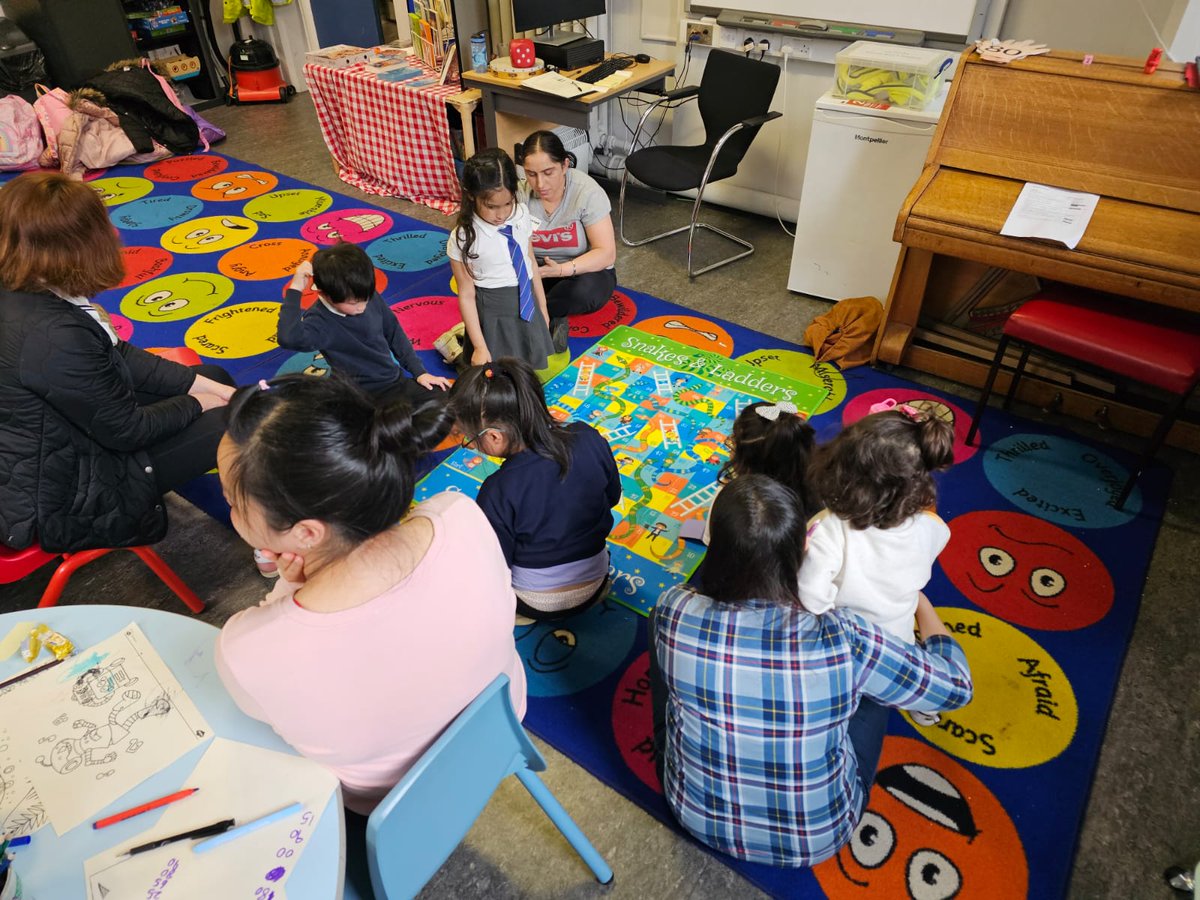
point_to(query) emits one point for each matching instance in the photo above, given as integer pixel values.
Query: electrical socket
(699, 34)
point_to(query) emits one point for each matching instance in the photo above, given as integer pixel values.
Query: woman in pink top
(394, 621)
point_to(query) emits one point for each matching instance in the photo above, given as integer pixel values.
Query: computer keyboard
(606, 68)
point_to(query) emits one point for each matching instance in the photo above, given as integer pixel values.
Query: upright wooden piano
(1105, 128)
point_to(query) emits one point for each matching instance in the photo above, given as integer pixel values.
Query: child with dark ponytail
(551, 501)
(500, 293)
(871, 550)
(342, 666)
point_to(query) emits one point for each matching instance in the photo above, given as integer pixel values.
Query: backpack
(53, 108)
(20, 135)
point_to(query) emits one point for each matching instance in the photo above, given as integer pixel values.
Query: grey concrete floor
(1144, 809)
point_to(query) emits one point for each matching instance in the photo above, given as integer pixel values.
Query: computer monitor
(530, 15)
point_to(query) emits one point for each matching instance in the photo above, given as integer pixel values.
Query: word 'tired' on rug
(1040, 582)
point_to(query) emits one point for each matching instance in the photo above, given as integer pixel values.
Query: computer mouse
(642, 58)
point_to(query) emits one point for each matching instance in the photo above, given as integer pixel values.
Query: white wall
(1091, 26)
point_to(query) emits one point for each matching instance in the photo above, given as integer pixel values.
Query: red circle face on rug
(1026, 571)
(633, 722)
(235, 186)
(143, 263)
(121, 325)
(264, 260)
(186, 168)
(702, 334)
(931, 830)
(309, 297)
(619, 310)
(930, 404)
(425, 319)
(355, 226)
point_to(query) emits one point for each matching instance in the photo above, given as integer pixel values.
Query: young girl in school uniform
(871, 550)
(550, 502)
(500, 292)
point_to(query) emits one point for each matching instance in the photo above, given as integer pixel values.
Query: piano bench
(1156, 347)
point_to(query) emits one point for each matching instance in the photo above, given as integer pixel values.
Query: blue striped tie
(524, 286)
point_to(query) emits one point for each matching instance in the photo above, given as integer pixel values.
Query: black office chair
(735, 98)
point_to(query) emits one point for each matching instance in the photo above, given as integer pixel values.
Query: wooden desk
(505, 98)
(1107, 129)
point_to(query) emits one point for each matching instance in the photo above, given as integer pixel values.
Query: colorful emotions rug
(1040, 582)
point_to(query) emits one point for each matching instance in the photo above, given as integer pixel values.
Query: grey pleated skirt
(506, 333)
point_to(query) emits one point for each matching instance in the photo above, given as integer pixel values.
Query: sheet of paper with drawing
(1050, 213)
(236, 781)
(99, 724)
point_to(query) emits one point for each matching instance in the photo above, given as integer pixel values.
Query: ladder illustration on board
(584, 382)
(698, 499)
(622, 432)
(662, 383)
(670, 432)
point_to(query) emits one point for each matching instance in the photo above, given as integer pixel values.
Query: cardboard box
(338, 56)
(177, 66)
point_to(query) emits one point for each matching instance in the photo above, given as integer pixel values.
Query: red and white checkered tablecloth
(386, 137)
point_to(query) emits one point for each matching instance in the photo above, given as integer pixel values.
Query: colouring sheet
(236, 781)
(99, 724)
(21, 810)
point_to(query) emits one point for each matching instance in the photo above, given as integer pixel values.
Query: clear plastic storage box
(911, 77)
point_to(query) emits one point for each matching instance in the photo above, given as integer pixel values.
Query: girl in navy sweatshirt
(550, 503)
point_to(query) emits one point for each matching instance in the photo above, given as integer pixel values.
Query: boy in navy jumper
(353, 328)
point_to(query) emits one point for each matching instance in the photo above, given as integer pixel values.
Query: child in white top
(500, 292)
(871, 550)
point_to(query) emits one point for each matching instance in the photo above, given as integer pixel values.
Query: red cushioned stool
(1155, 347)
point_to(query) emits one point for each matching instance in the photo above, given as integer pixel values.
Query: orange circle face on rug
(702, 334)
(633, 722)
(801, 367)
(309, 297)
(173, 298)
(619, 310)
(931, 831)
(209, 234)
(264, 260)
(1026, 571)
(1024, 711)
(186, 168)
(236, 331)
(143, 263)
(115, 191)
(234, 186)
(287, 206)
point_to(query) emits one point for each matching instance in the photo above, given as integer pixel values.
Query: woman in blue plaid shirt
(761, 752)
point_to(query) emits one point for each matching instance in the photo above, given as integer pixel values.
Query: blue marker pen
(234, 833)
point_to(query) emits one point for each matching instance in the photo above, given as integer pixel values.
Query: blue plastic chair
(424, 817)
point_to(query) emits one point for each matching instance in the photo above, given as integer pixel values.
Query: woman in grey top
(573, 235)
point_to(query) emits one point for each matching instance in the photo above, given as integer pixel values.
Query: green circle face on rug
(287, 206)
(800, 366)
(173, 298)
(115, 191)
(554, 365)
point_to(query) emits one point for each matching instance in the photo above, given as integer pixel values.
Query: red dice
(520, 53)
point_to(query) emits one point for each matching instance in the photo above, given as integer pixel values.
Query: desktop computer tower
(575, 55)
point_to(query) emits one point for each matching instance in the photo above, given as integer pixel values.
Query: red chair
(1148, 344)
(16, 564)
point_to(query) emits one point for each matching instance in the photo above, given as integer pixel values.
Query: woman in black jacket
(93, 431)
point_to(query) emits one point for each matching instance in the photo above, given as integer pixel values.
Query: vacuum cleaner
(254, 75)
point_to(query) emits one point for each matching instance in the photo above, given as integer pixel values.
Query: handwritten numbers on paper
(307, 818)
(296, 837)
(264, 894)
(154, 892)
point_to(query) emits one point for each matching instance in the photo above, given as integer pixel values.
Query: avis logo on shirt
(567, 236)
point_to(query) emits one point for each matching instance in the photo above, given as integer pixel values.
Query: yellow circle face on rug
(1024, 711)
(115, 191)
(236, 331)
(176, 297)
(801, 367)
(186, 168)
(702, 334)
(454, 285)
(931, 830)
(288, 206)
(263, 260)
(234, 186)
(209, 234)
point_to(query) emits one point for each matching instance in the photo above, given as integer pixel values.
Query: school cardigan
(543, 520)
(366, 347)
